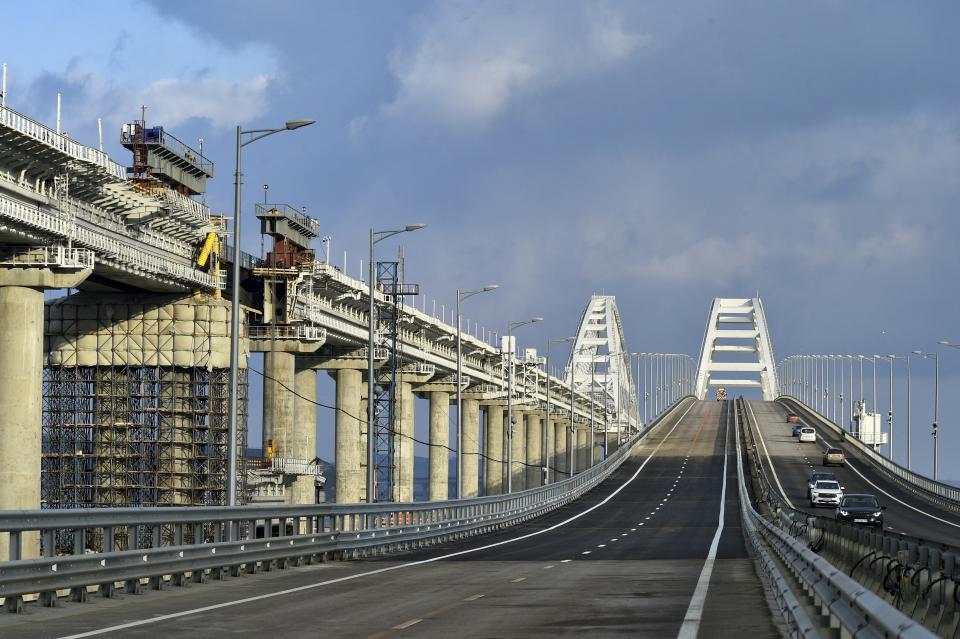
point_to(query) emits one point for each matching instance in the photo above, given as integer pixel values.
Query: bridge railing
(44, 134)
(938, 492)
(850, 607)
(105, 246)
(103, 547)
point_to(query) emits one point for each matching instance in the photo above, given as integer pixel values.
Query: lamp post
(462, 295)
(935, 356)
(510, 327)
(549, 427)
(890, 360)
(636, 382)
(909, 416)
(375, 238)
(255, 134)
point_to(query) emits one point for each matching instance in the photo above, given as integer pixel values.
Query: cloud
(469, 62)
(706, 259)
(173, 101)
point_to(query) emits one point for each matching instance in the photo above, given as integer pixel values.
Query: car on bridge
(820, 475)
(796, 430)
(834, 456)
(807, 434)
(826, 492)
(793, 418)
(861, 509)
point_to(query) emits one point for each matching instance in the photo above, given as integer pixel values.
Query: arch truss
(599, 364)
(737, 351)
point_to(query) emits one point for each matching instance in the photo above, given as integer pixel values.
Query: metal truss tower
(385, 388)
(737, 340)
(599, 363)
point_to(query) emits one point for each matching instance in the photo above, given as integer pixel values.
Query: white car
(826, 493)
(807, 434)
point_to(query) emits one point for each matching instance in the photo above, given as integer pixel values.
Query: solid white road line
(281, 593)
(406, 624)
(691, 620)
(776, 477)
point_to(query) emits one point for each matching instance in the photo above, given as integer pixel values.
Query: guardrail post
(13, 603)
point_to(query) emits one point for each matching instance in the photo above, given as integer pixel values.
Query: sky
(666, 153)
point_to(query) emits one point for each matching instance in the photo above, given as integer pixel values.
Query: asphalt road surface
(794, 462)
(630, 558)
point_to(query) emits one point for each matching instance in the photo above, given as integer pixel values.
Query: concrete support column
(350, 422)
(439, 442)
(518, 448)
(596, 443)
(494, 439)
(534, 451)
(582, 449)
(21, 388)
(278, 404)
(470, 482)
(560, 449)
(303, 435)
(403, 442)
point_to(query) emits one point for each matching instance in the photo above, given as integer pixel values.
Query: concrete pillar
(439, 442)
(21, 387)
(364, 451)
(470, 482)
(518, 447)
(350, 422)
(278, 404)
(493, 473)
(582, 459)
(596, 443)
(403, 442)
(534, 451)
(21, 390)
(560, 449)
(303, 435)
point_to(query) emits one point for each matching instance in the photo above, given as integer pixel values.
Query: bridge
(600, 500)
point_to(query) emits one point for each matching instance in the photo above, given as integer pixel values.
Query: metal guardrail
(112, 545)
(942, 494)
(52, 256)
(128, 255)
(853, 609)
(303, 332)
(46, 135)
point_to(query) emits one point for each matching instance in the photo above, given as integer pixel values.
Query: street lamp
(510, 327)
(256, 134)
(890, 360)
(549, 427)
(935, 356)
(462, 295)
(375, 237)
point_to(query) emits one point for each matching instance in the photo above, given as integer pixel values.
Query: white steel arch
(599, 363)
(737, 328)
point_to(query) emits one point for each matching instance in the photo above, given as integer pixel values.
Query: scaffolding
(117, 436)
(136, 402)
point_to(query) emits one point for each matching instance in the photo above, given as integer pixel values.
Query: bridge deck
(624, 559)
(794, 462)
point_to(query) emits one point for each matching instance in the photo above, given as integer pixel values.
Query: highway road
(794, 462)
(654, 551)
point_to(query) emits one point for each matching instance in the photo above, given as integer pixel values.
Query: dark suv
(861, 509)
